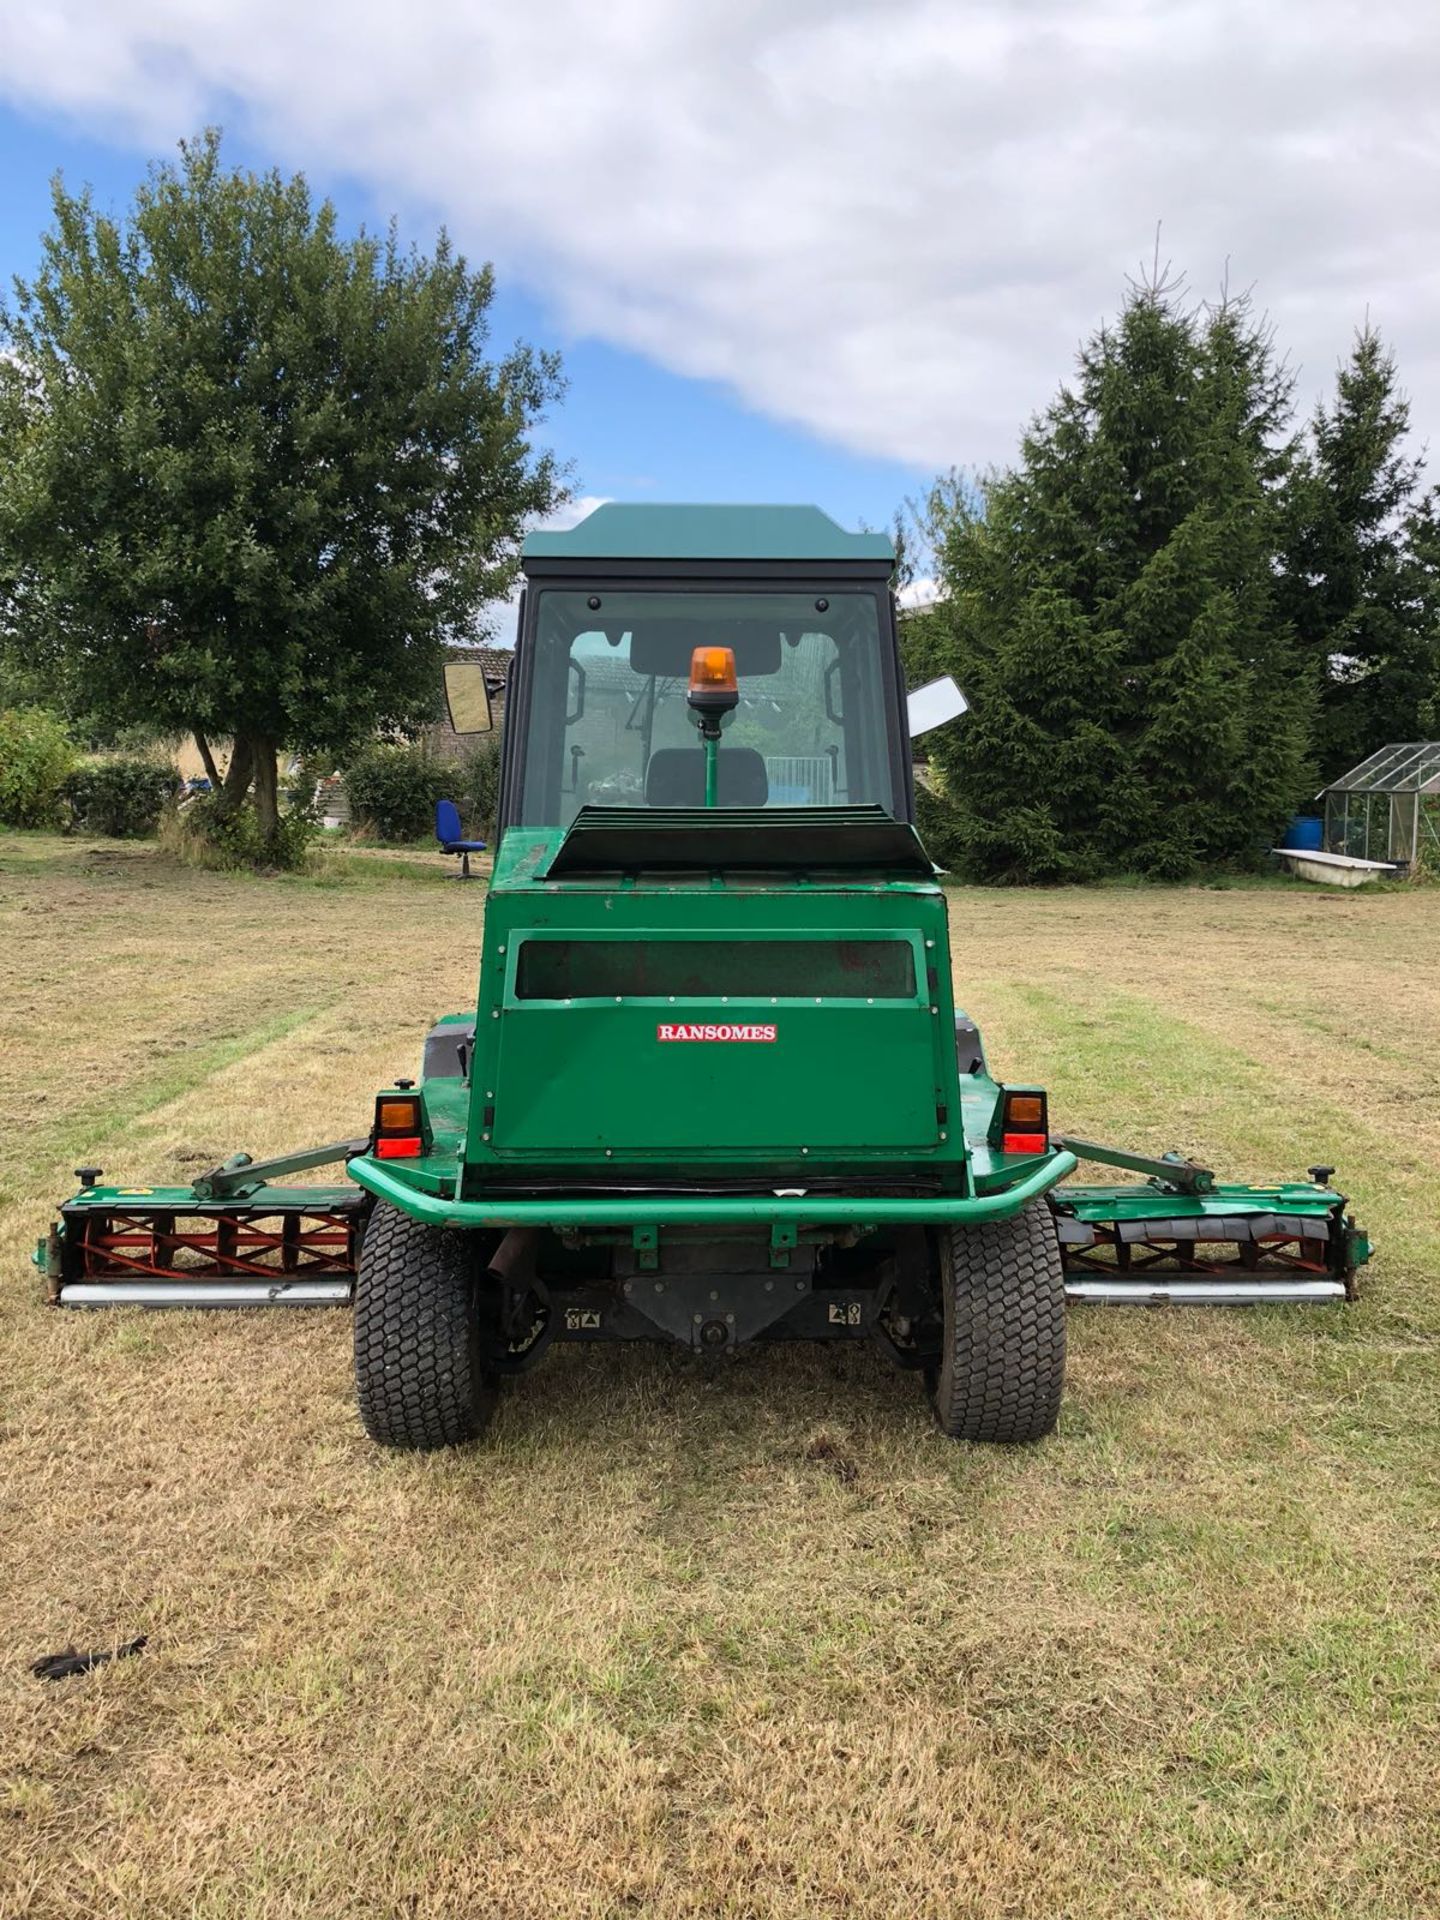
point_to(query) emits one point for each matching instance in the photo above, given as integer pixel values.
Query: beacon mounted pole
(714, 692)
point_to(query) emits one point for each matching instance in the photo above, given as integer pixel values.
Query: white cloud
(572, 513)
(919, 593)
(888, 220)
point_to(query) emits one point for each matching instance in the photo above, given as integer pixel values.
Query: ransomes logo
(722, 1032)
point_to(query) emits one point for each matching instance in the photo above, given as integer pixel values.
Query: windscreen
(609, 724)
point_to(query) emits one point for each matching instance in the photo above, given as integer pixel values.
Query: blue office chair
(447, 832)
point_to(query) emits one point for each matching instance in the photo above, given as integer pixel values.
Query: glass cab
(601, 716)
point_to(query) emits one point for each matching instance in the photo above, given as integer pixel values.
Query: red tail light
(407, 1147)
(1024, 1142)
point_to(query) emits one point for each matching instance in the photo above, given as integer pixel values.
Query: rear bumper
(709, 1210)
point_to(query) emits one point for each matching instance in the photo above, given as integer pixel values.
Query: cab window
(609, 725)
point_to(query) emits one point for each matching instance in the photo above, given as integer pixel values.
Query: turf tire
(1002, 1364)
(419, 1375)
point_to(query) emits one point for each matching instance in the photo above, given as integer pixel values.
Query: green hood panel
(713, 1031)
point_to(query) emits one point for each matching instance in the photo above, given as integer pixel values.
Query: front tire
(419, 1374)
(1002, 1363)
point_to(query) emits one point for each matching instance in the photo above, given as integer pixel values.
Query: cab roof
(618, 531)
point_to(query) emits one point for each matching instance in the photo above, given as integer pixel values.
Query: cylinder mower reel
(715, 1088)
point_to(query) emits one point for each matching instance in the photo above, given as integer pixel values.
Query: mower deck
(1232, 1246)
(171, 1247)
(1140, 1243)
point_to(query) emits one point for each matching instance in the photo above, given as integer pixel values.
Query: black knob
(1321, 1175)
(404, 1085)
(89, 1176)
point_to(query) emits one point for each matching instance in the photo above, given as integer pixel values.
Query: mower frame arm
(1180, 1176)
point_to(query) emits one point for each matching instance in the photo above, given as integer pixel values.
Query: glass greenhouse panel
(1408, 768)
(1402, 826)
(1334, 821)
(1388, 808)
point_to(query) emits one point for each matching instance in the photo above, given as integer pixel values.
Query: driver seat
(675, 777)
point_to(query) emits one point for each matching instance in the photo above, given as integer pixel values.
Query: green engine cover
(777, 1028)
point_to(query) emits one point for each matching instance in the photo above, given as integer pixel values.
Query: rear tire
(419, 1374)
(1002, 1365)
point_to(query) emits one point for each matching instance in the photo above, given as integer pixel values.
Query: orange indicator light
(712, 670)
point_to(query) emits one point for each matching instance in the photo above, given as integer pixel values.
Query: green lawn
(746, 1641)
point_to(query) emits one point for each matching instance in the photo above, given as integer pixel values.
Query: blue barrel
(1305, 834)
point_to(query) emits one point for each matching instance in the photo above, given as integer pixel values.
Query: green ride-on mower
(716, 1088)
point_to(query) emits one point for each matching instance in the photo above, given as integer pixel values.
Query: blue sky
(630, 428)
(812, 250)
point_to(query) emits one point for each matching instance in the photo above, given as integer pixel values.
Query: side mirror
(467, 698)
(933, 704)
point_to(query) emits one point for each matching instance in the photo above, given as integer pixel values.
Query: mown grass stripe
(117, 1120)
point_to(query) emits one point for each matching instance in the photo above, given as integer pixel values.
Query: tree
(1359, 588)
(1422, 532)
(24, 680)
(262, 472)
(1109, 607)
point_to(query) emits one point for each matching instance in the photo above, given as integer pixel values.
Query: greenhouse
(1388, 808)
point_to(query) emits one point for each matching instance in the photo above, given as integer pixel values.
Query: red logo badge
(690, 1031)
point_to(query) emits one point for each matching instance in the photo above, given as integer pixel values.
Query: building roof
(497, 662)
(1413, 767)
(620, 531)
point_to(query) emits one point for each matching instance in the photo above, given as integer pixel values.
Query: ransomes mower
(716, 1088)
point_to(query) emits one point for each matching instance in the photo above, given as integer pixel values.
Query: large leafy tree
(1110, 607)
(260, 472)
(1360, 585)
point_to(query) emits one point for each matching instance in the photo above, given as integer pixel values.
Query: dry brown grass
(746, 1642)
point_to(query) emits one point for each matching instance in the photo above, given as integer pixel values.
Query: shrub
(393, 791)
(124, 796)
(201, 836)
(36, 754)
(475, 789)
(935, 823)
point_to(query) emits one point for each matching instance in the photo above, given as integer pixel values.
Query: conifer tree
(1110, 610)
(1358, 587)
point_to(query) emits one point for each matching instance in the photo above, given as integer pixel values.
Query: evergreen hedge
(123, 796)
